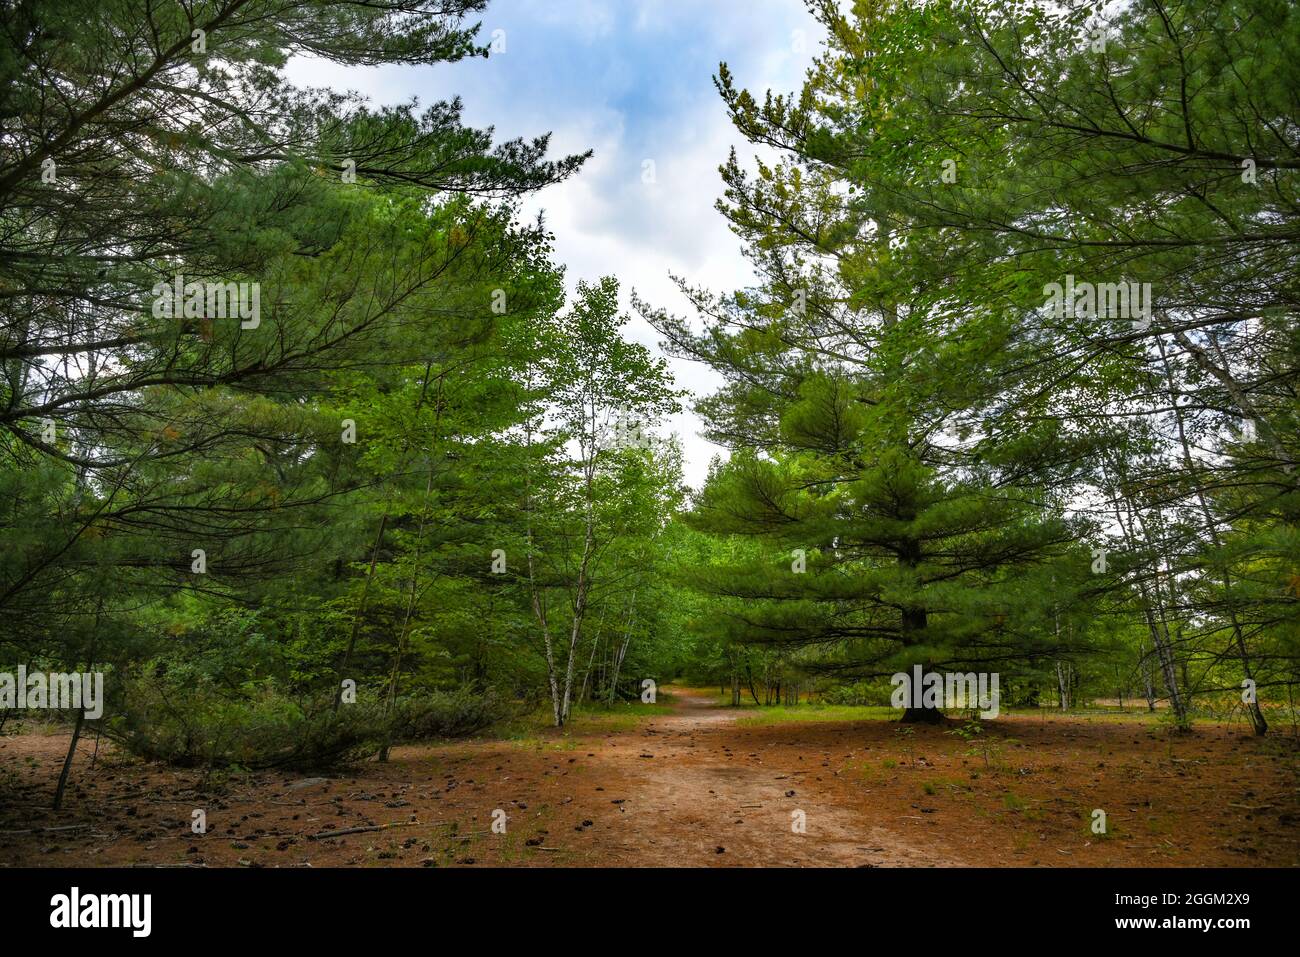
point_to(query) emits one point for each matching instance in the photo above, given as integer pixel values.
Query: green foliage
(946, 450)
(202, 725)
(412, 473)
(178, 716)
(448, 714)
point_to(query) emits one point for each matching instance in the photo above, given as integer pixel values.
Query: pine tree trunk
(67, 761)
(914, 624)
(1257, 721)
(1153, 607)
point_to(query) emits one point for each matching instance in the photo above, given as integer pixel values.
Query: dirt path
(701, 799)
(698, 786)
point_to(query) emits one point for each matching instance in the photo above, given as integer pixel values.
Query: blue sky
(632, 80)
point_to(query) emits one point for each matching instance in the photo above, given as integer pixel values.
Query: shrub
(203, 725)
(191, 722)
(873, 692)
(447, 714)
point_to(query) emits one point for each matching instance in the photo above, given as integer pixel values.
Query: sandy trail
(699, 799)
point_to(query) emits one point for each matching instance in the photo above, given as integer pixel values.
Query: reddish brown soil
(692, 788)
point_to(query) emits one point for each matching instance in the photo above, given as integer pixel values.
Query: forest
(346, 487)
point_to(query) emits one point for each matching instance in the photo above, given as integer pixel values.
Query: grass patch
(798, 714)
(537, 729)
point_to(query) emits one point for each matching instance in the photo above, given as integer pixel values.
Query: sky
(633, 81)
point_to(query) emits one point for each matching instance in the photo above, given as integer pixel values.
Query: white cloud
(633, 81)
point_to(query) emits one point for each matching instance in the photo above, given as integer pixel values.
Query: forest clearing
(696, 784)
(656, 437)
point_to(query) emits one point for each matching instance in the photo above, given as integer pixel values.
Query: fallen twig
(363, 830)
(61, 827)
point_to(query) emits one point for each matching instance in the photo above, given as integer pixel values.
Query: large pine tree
(911, 514)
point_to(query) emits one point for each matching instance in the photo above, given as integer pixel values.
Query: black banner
(335, 906)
